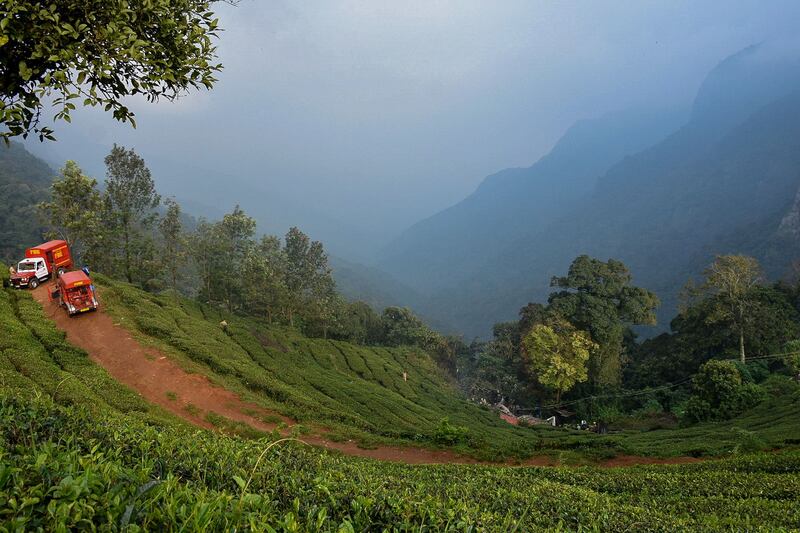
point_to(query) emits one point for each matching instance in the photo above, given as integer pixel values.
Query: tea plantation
(63, 468)
(80, 451)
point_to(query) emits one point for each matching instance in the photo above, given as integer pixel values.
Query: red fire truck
(75, 293)
(42, 262)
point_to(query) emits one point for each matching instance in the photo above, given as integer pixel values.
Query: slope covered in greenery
(357, 391)
(77, 449)
(354, 391)
(24, 182)
(65, 467)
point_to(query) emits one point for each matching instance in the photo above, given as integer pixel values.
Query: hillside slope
(81, 450)
(265, 377)
(24, 182)
(346, 391)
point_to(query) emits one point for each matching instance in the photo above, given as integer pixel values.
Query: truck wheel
(60, 272)
(33, 283)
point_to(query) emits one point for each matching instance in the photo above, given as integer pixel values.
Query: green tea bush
(449, 434)
(65, 468)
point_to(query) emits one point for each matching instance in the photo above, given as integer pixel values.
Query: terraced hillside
(347, 391)
(334, 389)
(78, 450)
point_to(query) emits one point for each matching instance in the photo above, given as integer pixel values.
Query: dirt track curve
(159, 380)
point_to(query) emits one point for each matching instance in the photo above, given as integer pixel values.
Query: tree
(402, 327)
(236, 232)
(361, 324)
(205, 249)
(732, 280)
(99, 52)
(75, 209)
(308, 276)
(597, 297)
(718, 392)
(173, 250)
(264, 269)
(557, 354)
(132, 198)
(791, 357)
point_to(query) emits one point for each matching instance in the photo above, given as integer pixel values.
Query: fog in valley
(356, 119)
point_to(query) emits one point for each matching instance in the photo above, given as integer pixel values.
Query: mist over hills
(661, 196)
(449, 247)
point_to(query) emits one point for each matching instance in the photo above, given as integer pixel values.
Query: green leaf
(24, 71)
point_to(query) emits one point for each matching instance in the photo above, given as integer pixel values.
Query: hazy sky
(354, 119)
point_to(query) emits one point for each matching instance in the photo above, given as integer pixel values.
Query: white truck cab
(35, 270)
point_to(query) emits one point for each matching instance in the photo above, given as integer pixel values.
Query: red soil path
(159, 380)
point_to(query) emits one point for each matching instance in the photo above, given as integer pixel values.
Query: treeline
(127, 232)
(582, 343)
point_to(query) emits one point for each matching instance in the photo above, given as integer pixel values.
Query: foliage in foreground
(63, 468)
(49, 53)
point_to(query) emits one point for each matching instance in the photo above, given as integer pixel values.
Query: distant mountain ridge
(727, 181)
(446, 249)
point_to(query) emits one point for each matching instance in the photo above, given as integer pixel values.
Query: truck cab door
(41, 269)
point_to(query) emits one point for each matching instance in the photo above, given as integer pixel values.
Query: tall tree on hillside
(597, 297)
(265, 292)
(732, 282)
(74, 211)
(557, 353)
(132, 198)
(98, 53)
(173, 249)
(402, 327)
(205, 250)
(236, 230)
(308, 276)
(361, 324)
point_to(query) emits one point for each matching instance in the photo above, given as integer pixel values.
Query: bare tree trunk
(741, 345)
(128, 257)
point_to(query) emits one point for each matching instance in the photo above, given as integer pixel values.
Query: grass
(80, 451)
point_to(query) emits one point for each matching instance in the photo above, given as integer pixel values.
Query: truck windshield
(26, 267)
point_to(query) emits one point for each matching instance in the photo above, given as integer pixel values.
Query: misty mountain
(725, 182)
(451, 246)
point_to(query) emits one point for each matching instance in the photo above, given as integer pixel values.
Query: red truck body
(75, 293)
(42, 262)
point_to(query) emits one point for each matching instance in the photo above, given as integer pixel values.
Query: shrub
(719, 393)
(792, 357)
(450, 435)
